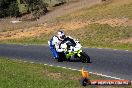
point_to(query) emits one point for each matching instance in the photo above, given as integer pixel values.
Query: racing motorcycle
(71, 47)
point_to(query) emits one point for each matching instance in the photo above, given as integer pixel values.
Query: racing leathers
(55, 46)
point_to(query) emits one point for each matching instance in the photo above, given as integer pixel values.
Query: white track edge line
(80, 71)
(106, 49)
(91, 73)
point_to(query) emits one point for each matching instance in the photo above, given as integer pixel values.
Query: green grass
(97, 35)
(102, 11)
(43, 39)
(19, 74)
(94, 35)
(33, 40)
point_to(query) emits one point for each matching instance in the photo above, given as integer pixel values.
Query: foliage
(8, 8)
(17, 74)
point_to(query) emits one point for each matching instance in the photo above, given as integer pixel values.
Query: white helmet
(61, 35)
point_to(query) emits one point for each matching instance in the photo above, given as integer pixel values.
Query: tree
(8, 8)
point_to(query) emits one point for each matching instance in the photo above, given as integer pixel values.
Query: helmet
(61, 35)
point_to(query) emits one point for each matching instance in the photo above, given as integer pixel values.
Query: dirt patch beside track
(60, 11)
(73, 25)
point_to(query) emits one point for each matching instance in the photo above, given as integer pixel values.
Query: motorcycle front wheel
(84, 57)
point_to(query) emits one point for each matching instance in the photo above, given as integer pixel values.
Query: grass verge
(18, 74)
(109, 9)
(93, 35)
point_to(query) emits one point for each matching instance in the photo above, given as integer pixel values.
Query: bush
(13, 9)
(8, 8)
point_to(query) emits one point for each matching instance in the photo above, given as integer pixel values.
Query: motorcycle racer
(55, 42)
(63, 48)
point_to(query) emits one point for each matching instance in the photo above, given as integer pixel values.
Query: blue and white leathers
(54, 46)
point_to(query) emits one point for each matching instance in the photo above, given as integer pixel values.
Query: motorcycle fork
(70, 54)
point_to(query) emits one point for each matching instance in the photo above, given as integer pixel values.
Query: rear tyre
(84, 57)
(60, 60)
(61, 57)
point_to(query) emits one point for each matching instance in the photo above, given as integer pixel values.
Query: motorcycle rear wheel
(62, 57)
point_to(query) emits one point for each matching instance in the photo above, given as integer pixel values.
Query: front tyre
(84, 57)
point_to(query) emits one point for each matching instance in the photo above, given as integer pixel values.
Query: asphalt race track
(109, 62)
